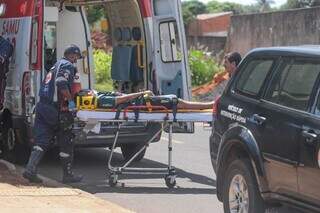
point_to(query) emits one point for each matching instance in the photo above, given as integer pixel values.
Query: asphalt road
(195, 191)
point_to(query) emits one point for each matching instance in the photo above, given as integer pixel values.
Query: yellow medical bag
(87, 100)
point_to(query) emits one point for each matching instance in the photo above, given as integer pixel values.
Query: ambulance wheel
(113, 180)
(130, 149)
(170, 181)
(12, 150)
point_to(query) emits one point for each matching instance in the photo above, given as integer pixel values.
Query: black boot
(68, 176)
(31, 169)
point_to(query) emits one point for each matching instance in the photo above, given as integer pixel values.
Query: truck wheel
(129, 150)
(240, 189)
(13, 151)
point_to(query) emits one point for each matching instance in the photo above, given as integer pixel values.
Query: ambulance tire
(130, 149)
(12, 150)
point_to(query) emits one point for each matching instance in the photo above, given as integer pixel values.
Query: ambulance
(149, 52)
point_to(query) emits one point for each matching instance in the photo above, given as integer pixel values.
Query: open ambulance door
(67, 24)
(171, 64)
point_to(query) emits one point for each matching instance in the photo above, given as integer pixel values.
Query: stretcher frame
(167, 122)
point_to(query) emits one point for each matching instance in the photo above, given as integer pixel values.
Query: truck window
(170, 42)
(292, 85)
(253, 76)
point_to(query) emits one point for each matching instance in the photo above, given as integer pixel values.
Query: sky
(276, 2)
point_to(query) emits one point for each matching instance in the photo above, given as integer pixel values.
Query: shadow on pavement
(92, 163)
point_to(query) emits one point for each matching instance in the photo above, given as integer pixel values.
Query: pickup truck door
(309, 165)
(290, 141)
(170, 69)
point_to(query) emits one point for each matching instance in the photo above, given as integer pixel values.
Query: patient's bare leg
(182, 104)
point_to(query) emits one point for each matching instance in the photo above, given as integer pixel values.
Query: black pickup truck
(266, 135)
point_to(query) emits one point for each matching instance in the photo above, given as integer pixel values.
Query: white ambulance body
(149, 52)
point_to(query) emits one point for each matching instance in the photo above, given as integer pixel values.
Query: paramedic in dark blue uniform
(54, 117)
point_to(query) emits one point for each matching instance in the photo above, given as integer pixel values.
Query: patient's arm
(127, 97)
(182, 104)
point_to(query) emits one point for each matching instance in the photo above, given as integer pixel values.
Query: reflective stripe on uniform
(64, 155)
(38, 148)
(55, 95)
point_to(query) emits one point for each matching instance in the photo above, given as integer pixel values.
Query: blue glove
(72, 106)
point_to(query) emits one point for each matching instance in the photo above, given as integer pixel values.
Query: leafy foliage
(203, 67)
(264, 5)
(94, 13)
(102, 62)
(216, 7)
(190, 9)
(291, 4)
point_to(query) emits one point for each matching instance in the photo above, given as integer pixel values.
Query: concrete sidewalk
(18, 195)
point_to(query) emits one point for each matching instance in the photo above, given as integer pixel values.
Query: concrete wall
(213, 44)
(286, 28)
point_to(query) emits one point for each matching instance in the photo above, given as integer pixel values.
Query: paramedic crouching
(54, 117)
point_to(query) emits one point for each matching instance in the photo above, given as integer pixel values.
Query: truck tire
(130, 149)
(240, 189)
(13, 150)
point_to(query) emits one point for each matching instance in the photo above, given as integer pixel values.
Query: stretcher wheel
(170, 181)
(113, 180)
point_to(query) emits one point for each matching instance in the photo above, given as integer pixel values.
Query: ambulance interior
(67, 24)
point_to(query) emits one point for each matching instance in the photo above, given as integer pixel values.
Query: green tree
(291, 4)
(265, 5)
(190, 9)
(216, 7)
(94, 13)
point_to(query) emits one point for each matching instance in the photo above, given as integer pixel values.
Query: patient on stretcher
(111, 100)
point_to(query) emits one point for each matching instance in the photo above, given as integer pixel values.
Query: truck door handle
(259, 119)
(310, 137)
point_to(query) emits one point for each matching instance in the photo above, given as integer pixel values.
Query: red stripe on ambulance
(145, 7)
(17, 8)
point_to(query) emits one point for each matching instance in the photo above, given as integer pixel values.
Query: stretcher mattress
(154, 116)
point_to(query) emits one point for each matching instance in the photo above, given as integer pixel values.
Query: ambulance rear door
(65, 25)
(171, 71)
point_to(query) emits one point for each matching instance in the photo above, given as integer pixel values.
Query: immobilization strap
(174, 108)
(119, 108)
(137, 102)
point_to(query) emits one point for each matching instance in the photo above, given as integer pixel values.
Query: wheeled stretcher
(142, 114)
(166, 117)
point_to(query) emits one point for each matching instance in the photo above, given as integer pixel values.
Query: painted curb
(11, 167)
(46, 181)
(19, 170)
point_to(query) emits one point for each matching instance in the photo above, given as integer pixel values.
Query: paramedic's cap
(73, 49)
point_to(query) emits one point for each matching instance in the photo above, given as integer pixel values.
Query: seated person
(109, 100)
